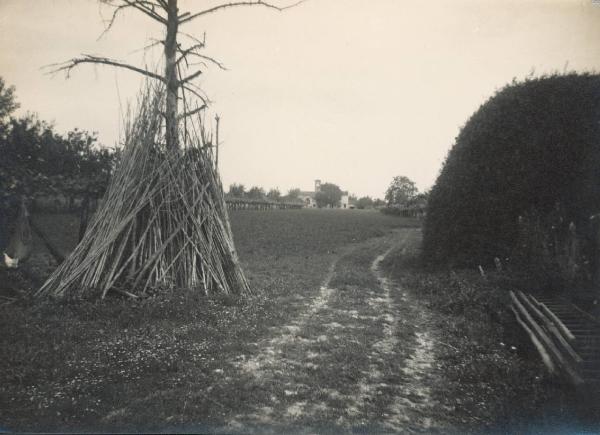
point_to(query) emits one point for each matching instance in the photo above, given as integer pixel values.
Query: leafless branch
(194, 51)
(112, 20)
(148, 8)
(193, 38)
(199, 64)
(145, 6)
(195, 90)
(87, 58)
(210, 59)
(190, 77)
(187, 51)
(154, 43)
(235, 4)
(192, 112)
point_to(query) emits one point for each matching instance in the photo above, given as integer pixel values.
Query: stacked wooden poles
(163, 222)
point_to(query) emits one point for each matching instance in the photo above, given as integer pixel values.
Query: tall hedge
(533, 145)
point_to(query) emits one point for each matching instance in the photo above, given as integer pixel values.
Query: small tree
(274, 194)
(237, 190)
(256, 192)
(364, 202)
(38, 161)
(292, 194)
(378, 202)
(401, 190)
(8, 102)
(329, 195)
(419, 200)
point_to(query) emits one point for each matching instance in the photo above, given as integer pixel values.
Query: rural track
(357, 356)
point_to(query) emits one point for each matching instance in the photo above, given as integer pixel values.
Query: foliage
(38, 161)
(293, 193)
(8, 102)
(531, 146)
(419, 200)
(364, 202)
(237, 190)
(256, 192)
(274, 194)
(400, 191)
(329, 195)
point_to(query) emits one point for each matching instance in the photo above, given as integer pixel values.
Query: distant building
(308, 198)
(345, 200)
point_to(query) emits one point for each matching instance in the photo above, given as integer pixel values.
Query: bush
(37, 161)
(528, 148)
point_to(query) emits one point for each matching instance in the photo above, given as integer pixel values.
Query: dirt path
(360, 355)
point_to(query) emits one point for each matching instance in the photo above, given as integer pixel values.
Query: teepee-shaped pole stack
(163, 222)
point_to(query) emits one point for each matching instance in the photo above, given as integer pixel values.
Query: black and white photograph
(300, 216)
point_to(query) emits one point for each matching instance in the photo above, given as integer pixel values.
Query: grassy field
(78, 365)
(346, 331)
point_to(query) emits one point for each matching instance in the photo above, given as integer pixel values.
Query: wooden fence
(409, 212)
(63, 204)
(253, 204)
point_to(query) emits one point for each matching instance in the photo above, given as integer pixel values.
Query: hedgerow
(531, 149)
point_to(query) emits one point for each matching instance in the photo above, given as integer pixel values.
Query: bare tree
(176, 55)
(163, 222)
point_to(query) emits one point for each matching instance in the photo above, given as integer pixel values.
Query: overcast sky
(349, 91)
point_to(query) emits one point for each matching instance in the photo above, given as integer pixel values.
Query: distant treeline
(256, 193)
(259, 194)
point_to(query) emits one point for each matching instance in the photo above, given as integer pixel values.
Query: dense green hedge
(534, 144)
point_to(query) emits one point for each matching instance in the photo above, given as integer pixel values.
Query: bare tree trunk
(172, 130)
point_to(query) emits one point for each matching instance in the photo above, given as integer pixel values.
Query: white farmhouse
(308, 198)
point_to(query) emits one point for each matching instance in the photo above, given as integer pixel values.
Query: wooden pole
(562, 342)
(547, 342)
(170, 50)
(559, 324)
(538, 345)
(217, 119)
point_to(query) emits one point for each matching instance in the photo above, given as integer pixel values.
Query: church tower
(317, 186)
